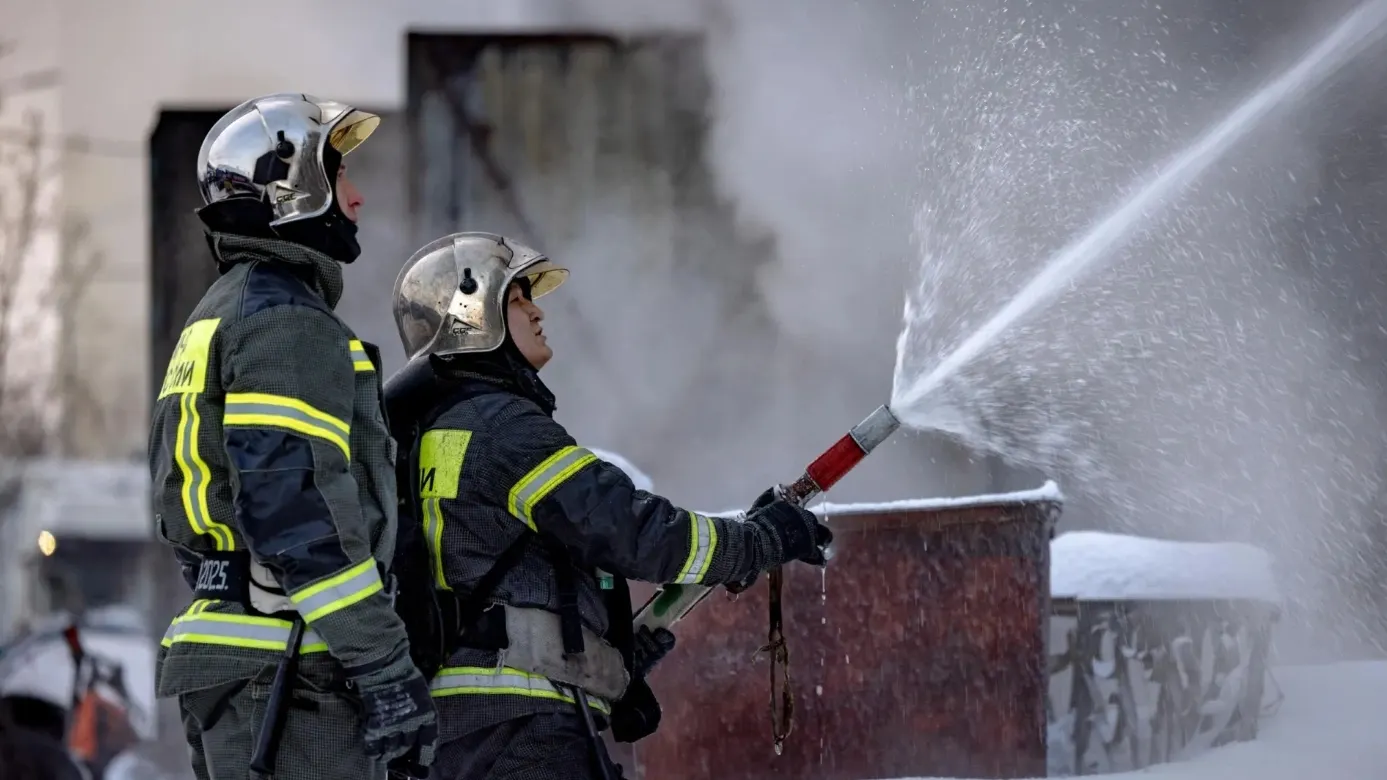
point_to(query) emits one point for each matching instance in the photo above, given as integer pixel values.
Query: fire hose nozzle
(845, 454)
(876, 429)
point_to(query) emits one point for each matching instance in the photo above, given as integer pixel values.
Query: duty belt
(225, 576)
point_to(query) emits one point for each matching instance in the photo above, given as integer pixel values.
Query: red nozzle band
(836, 462)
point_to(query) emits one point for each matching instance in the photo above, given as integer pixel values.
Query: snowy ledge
(1110, 567)
(1103, 566)
(1049, 492)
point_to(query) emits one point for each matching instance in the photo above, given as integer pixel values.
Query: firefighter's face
(525, 320)
(348, 196)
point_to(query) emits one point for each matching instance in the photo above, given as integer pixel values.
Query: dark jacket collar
(500, 368)
(319, 270)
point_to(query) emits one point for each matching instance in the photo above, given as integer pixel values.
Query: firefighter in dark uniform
(537, 529)
(273, 468)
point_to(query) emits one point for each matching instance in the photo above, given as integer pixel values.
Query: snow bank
(1094, 565)
(640, 478)
(1328, 728)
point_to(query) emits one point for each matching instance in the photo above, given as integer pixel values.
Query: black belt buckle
(223, 576)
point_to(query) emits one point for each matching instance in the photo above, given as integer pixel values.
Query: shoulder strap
(470, 607)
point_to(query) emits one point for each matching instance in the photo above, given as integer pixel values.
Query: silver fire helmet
(271, 147)
(450, 298)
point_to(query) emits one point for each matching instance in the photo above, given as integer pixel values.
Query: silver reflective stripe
(360, 360)
(544, 478)
(703, 539)
(238, 631)
(289, 412)
(461, 680)
(338, 592)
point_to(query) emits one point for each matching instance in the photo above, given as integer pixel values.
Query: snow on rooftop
(638, 477)
(1096, 565)
(1047, 492)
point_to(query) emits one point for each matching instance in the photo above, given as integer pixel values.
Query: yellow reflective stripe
(433, 536)
(244, 631)
(360, 360)
(543, 479)
(254, 410)
(462, 680)
(442, 452)
(196, 475)
(338, 591)
(703, 541)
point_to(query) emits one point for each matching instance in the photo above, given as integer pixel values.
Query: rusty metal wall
(919, 653)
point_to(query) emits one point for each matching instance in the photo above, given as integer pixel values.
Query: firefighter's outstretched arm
(290, 385)
(591, 506)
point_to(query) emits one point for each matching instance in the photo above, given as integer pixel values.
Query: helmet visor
(545, 277)
(354, 128)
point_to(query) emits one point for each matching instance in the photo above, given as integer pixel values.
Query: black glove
(800, 535)
(637, 714)
(648, 647)
(762, 501)
(400, 716)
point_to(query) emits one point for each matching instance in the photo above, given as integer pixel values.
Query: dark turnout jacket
(496, 470)
(268, 438)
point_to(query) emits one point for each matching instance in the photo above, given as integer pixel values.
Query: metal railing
(1142, 682)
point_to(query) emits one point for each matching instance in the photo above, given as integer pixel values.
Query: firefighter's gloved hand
(798, 534)
(637, 714)
(762, 501)
(400, 716)
(649, 646)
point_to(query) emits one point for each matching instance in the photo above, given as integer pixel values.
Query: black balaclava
(505, 365)
(330, 232)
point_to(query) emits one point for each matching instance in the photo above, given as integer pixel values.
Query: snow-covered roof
(638, 477)
(1047, 492)
(1096, 565)
(94, 499)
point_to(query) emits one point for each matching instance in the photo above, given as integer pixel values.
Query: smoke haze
(1220, 379)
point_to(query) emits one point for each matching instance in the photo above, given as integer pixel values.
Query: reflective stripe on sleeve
(259, 410)
(462, 680)
(442, 452)
(360, 360)
(244, 631)
(703, 540)
(433, 538)
(543, 479)
(196, 475)
(338, 591)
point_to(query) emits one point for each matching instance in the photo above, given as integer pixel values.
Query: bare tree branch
(36, 287)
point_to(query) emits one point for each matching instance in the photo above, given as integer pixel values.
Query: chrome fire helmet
(450, 297)
(271, 148)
